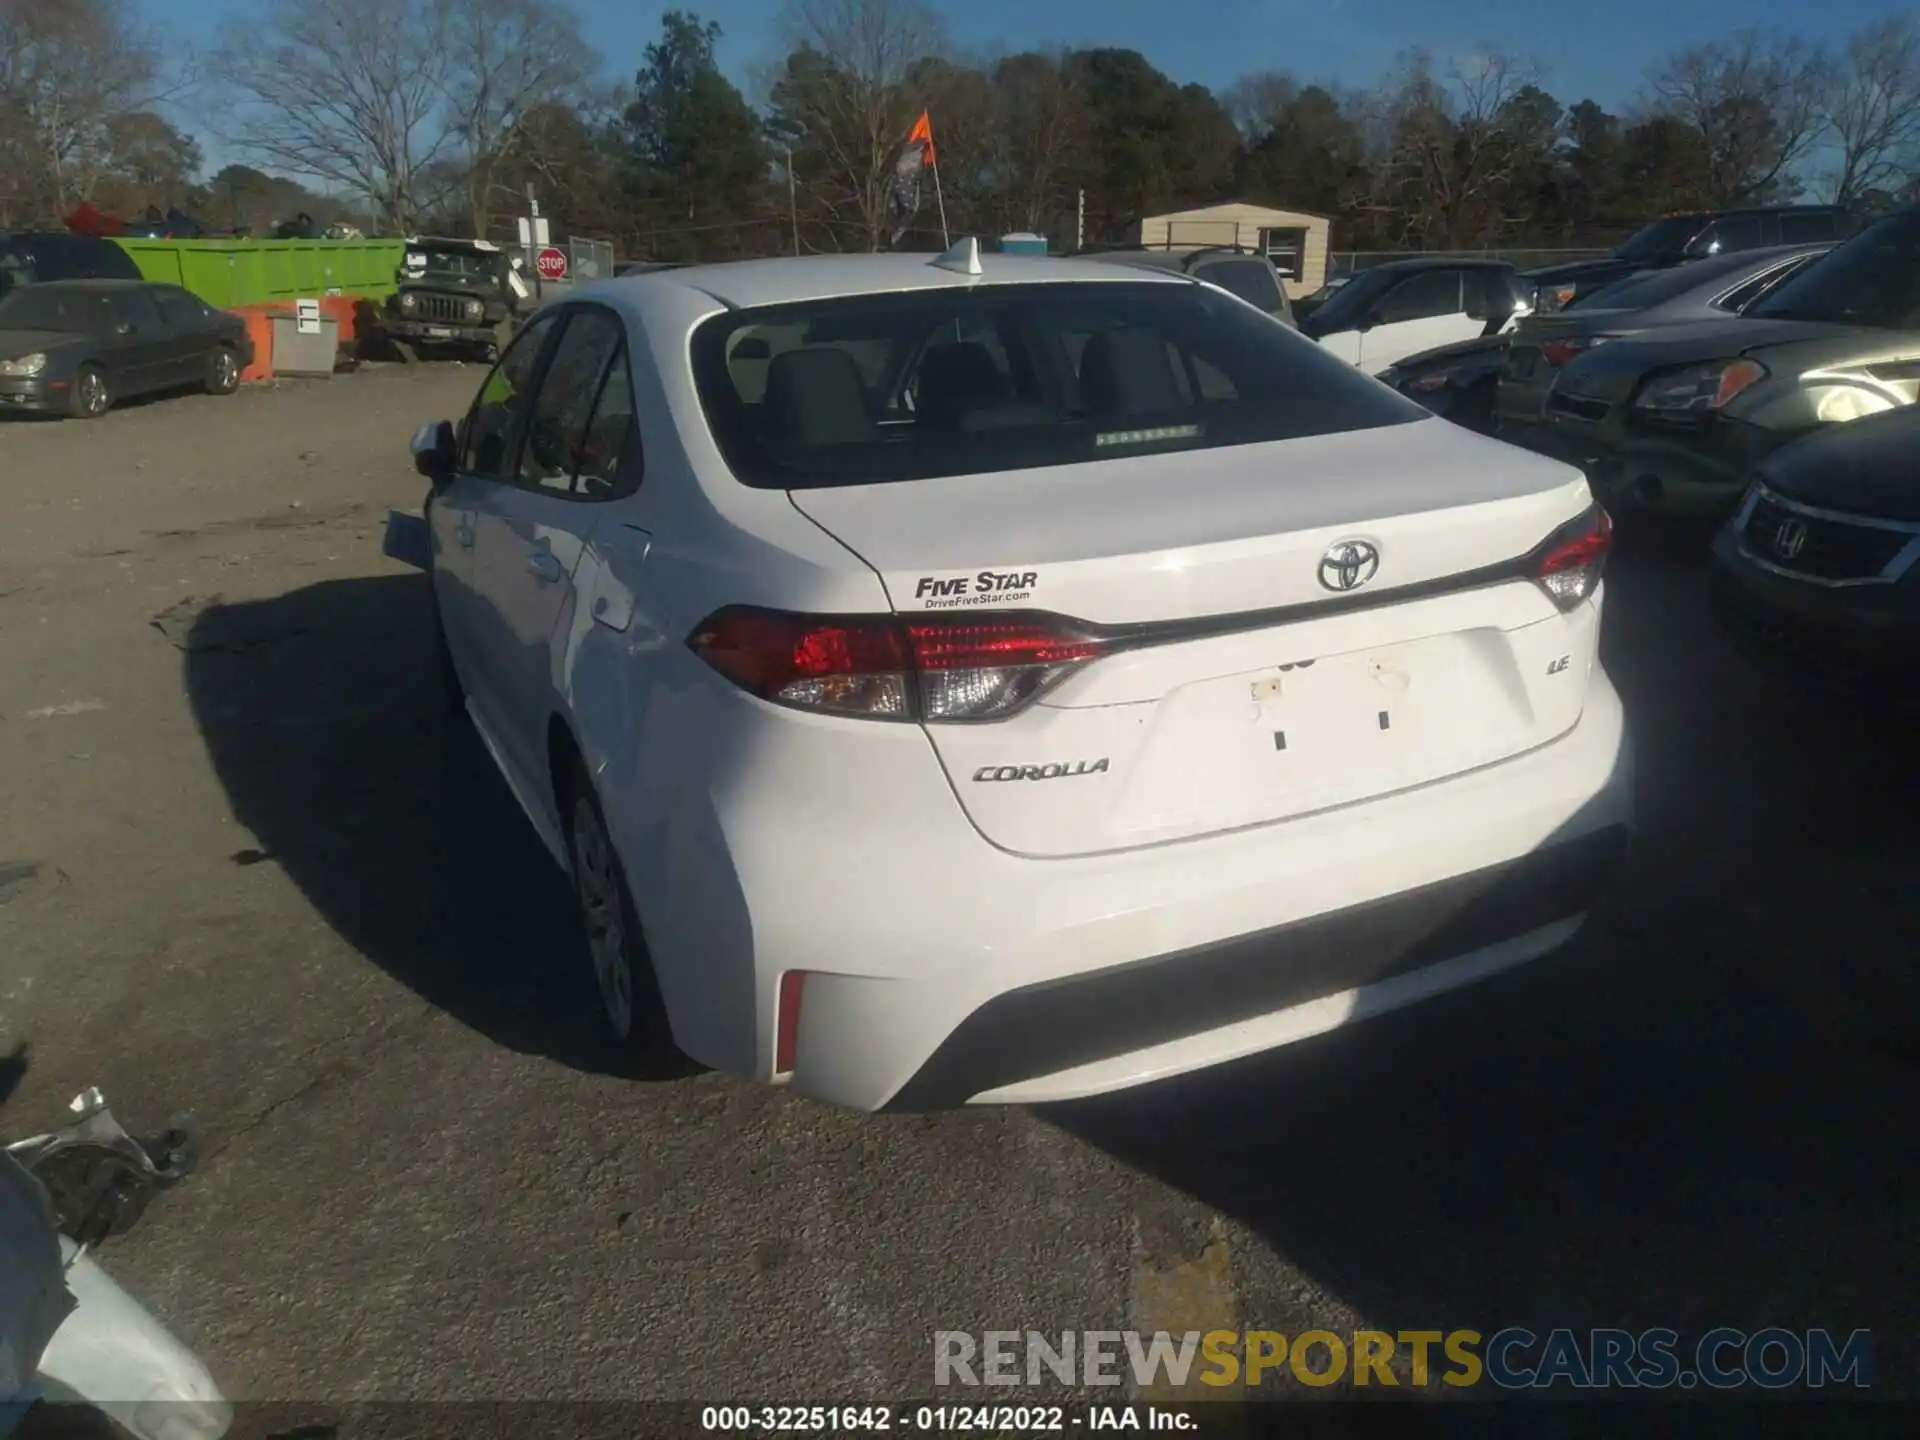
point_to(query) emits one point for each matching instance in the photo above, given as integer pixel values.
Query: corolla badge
(1349, 564)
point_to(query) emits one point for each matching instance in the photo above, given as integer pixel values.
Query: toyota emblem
(1790, 539)
(1349, 564)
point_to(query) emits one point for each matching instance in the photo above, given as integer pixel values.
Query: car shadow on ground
(321, 711)
(1699, 1114)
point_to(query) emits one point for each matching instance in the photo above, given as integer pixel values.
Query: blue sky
(1214, 41)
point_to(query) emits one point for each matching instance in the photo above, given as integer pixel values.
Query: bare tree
(1038, 134)
(506, 60)
(70, 72)
(1449, 143)
(1257, 101)
(348, 92)
(1870, 108)
(845, 93)
(1753, 100)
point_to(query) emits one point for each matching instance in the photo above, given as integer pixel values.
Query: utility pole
(793, 200)
(1080, 223)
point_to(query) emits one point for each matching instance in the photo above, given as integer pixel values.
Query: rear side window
(877, 388)
(1738, 232)
(1741, 296)
(1252, 280)
(1809, 229)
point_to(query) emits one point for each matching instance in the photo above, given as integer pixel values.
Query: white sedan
(990, 679)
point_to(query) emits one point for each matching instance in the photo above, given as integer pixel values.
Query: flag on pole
(915, 158)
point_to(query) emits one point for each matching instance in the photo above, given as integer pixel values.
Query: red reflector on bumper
(786, 1022)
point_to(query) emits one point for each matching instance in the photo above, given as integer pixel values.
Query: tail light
(786, 1021)
(1559, 352)
(1571, 561)
(893, 667)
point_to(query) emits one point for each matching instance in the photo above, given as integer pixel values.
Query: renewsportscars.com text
(1511, 1359)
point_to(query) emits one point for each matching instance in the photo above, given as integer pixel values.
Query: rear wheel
(92, 397)
(616, 950)
(223, 371)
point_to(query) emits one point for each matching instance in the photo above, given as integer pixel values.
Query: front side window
(1425, 296)
(1735, 233)
(490, 431)
(1012, 377)
(563, 407)
(1873, 279)
(1662, 239)
(180, 310)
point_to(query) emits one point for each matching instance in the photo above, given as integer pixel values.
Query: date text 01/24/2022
(978, 1419)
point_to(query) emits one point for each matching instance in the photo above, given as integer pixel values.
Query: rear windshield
(868, 389)
(54, 307)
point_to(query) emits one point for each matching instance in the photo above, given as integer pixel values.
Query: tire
(92, 396)
(632, 1012)
(223, 371)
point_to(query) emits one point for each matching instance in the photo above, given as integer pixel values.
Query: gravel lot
(243, 874)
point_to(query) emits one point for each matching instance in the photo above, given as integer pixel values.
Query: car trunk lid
(1282, 628)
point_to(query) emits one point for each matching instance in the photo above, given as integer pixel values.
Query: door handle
(545, 568)
(463, 533)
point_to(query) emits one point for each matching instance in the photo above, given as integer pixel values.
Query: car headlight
(1835, 404)
(409, 302)
(475, 310)
(1435, 380)
(1700, 387)
(24, 365)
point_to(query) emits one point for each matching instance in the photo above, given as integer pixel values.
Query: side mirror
(436, 454)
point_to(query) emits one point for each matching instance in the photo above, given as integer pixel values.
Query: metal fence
(589, 260)
(1344, 263)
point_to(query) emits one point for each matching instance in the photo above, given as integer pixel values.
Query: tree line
(437, 115)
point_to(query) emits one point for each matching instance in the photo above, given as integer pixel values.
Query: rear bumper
(941, 970)
(1313, 971)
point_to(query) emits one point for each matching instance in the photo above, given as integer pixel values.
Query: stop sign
(551, 262)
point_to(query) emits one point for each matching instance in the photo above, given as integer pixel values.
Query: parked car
(77, 347)
(1166, 690)
(1675, 420)
(1240, 272)
(1307, 304)
(1711, 289)
(1818, 574)
(1404, 307)
(1676, 239)
(1455, 382)
(29, 257)
(454, 296)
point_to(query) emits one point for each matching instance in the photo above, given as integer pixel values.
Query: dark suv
(1240, 272)
(459, 296)
(1676, 239)
(28, 257)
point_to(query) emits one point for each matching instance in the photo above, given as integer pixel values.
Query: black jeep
(454, 296)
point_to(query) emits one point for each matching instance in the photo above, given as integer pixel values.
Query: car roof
(1436, 262)
(745, 284)
(486, 247)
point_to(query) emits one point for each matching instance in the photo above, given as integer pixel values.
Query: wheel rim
(224, 368)
(93, 393)
(597, 881)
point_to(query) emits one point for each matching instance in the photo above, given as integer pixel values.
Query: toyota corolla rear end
(1120, 686)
